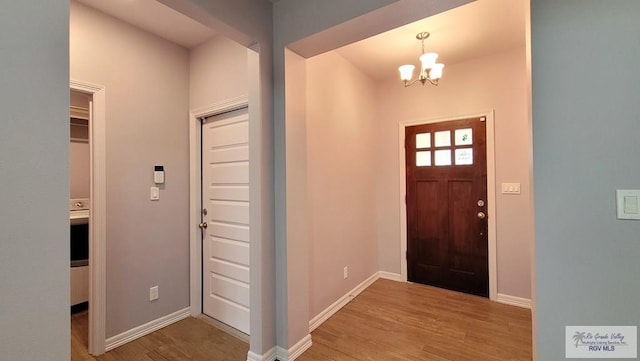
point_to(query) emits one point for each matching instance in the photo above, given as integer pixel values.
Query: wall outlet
(153, 293)
(345, 273)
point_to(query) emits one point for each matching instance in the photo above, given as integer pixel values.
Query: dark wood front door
(446, 169)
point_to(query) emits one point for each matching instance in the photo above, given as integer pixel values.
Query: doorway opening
(79, 211)
(87, 214)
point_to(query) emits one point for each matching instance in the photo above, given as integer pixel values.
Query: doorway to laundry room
(79, 213)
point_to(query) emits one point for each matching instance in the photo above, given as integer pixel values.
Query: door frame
(97, 219)
(195, 198)
(491, 192)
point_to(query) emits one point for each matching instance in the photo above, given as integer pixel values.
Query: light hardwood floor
(191, 339)
(399, 321)
(388, 321)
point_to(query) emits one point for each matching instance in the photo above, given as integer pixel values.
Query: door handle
(203, 225)
(482, 215)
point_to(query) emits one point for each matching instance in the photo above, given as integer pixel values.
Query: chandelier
(430, 70)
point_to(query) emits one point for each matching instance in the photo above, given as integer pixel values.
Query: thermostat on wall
(158, 174)
(628, 203)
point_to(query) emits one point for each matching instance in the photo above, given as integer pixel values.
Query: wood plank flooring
(388, 321)
(399, 321)
(191, 339)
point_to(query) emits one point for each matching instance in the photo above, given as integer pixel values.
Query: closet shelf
(79, 113)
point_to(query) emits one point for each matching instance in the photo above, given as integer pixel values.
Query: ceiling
(156, 18)
(467, 32)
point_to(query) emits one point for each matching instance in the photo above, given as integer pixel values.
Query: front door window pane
(423, 140)
(443, 157)
(464, 156)
(443, 138)
(464, 136)
(423, 158)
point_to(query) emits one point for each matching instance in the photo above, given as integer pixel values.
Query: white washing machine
(79, 251)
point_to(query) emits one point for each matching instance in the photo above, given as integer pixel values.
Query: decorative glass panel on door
(464, 156)
(423, 140)
(443, 138)
(423, 158)
(464, 136)
(443, 157)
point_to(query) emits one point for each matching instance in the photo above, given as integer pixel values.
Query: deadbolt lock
(480, 203)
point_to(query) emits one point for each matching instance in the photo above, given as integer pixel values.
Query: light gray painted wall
(34, 178)
(342, 122)
(146, 80)
(217, 72)
(297, 195)
(585, 56)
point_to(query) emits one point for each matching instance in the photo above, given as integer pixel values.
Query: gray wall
(217, 72)
(34, 181)
(586, 122)
(341, 123)
(147, 88)
(296, 202)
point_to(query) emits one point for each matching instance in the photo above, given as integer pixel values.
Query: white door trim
(195, 159)
(491, 194)
(97, 220)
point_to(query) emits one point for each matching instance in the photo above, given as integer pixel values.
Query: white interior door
(225, 202)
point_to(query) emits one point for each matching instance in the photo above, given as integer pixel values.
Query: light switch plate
(510, 188)
(628, 203)
(154, 193)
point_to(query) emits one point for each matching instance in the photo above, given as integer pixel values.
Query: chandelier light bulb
(436, 71)
(406, 72)
(428, 60)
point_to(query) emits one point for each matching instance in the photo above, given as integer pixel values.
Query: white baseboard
(514, 301)
(390, 276)
(341, 302)
(268, 356)
(295, 351)
(147, 328)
